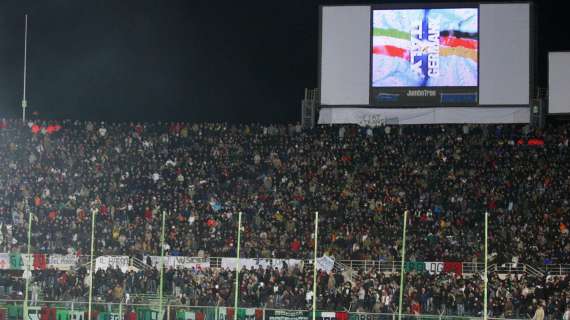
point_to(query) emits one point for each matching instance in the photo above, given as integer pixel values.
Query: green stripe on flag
(393, 33)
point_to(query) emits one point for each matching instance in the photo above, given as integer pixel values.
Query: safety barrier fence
(73, 310)
(17, 261)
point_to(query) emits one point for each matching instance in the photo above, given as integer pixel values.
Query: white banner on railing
(177, 262)
(230, 263)
(325, 263)
(434, 267)
(104, 262)
(62, 261)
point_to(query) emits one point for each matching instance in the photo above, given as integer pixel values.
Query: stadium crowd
(290, 288)
(360, 180)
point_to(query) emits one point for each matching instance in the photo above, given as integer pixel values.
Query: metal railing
(13, 309)
(557, 269)
(387, 266)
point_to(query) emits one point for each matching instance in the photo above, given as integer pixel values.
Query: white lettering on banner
(62, 262)
(104, 262)
(77, 315)
(325, 263)
(230, 263)
(426, 115)
(177, 262)
(34, 313)
(372, 120)
(434, 267)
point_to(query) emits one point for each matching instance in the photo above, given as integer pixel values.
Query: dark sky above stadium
(194, 60)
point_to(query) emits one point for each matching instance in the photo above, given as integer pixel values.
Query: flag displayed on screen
(425, 48)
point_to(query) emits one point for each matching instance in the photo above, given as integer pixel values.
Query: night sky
(237, 61)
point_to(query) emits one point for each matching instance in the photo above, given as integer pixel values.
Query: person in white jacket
(566, 315)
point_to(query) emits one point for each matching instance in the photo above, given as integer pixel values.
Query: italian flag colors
(341, 315)
(396, 43)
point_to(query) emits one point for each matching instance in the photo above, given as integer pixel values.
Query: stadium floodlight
(24, 101)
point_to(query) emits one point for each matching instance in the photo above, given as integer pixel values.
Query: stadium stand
(359, 179)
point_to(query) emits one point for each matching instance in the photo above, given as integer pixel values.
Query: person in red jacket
(130, 315)
(44, 312)
(415, 307)
(47, 313)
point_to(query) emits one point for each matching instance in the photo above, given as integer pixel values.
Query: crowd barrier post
(315, 266)
(236, 299)
(402, 265)
(91, 264)
(27, 272)
(485, 277)
(160, 292)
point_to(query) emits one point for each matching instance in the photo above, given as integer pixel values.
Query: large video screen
(424, 56)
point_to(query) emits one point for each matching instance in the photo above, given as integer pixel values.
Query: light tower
(24, 101)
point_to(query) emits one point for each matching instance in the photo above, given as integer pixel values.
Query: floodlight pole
(402, 265)
(485, 277)
(24, 101)
(236, 299)
(315, 266)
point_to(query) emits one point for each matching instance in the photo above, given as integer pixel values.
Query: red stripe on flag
(459, 42)
(391, 51)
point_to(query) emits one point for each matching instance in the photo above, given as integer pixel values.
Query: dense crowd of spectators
(514, 296)
(360, 180)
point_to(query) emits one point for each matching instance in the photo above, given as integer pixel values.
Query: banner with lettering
(105, 262)
(285, 315)
(230, 263)
(339, 315)
(19, 261)
(434, 267)
(148, 314)
(77, 315)
(176, 262)
(366, 316)
(243, 314)
(196, 313)
(62, 261)
(109, 316)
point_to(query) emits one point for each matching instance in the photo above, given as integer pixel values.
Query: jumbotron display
(418, 49)
(425, 48)
(417, 63)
